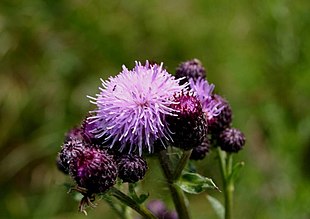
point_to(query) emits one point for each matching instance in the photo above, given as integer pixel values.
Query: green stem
(229, 164)
(222, 163)
(229, 190)
(131, 203)
(181, 164)
(176, 193)
(228, 184)
(229, 187)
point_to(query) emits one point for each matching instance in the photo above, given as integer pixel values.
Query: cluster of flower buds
(93, 166)
(216, 111)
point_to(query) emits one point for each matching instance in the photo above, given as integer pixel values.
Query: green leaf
(217, 206)
(235, 171)
(194, 183)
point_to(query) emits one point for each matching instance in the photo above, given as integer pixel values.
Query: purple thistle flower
(203, 91)
(132, 106)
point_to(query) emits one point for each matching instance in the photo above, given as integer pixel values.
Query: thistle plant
(143, 113)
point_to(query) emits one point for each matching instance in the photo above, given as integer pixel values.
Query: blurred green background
(257, 53)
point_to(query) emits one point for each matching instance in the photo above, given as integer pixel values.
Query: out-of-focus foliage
(52, 54)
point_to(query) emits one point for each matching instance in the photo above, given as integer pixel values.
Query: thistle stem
(222, 163)
(177, 194)
(181, 164)
(229, 188)
(131, 203)
(226, 171)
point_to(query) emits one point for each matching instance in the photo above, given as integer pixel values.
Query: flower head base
(204, 90)
(132, 106)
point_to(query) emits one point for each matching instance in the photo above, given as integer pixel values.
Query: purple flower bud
(201, 151)
(94, 170)
(190, 69)
(71, 149)
(231, 140)
(131, 168)
(189, 125)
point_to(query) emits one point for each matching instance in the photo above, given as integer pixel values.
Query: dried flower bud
(131, 168)
(231, 140)
(189, 125)
(94, 170)
(190, 69)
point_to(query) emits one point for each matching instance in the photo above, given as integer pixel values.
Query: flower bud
(190, 69)
(231, 140)
(189, 125)
(94, 170)
(131, 168)
(71, 149)
(201, 151)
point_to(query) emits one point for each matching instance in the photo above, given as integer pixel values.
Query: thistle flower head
(132, 106)
(203, 91)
